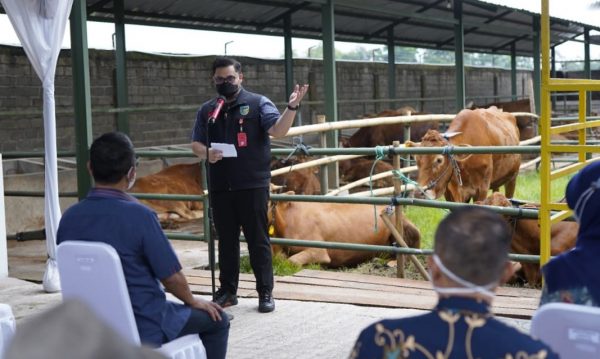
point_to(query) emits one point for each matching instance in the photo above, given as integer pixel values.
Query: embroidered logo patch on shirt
(244, 110)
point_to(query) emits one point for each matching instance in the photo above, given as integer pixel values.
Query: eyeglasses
(220, 80)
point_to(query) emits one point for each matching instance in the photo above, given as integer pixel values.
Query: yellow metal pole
(544, 213)
(582, 118)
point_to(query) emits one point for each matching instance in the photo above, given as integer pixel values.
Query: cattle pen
(395, 200)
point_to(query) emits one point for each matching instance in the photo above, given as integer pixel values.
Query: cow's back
(332, 222)
(384, 135)
(175, 179)
(485, 127)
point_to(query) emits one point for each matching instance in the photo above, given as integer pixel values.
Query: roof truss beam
(281, 16)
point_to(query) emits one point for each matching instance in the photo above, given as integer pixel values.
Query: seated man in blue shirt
(573, 276)
(470, 260)
(110, 215)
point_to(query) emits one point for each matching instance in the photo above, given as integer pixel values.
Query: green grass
(281, 266)
(528, 189)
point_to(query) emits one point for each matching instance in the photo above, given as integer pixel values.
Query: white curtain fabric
(40, 26)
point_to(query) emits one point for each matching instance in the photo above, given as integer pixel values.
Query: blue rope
(407, 180)
(379, 155)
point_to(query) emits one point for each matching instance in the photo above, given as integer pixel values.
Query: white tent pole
(40, 26)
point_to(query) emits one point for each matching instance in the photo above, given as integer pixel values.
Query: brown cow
(386, 134)
(302, 181)
(333, 222)
(357, 168)
(176, 179)
(461, 178)
(526, 237)
(526, 124)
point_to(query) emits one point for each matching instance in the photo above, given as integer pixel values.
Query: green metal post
(391, 47)
(459, 51)
(513, 71)
(81, 95)
(537, 74)
(327, 17)
(121, 64)
(289, 56)
(587, 68)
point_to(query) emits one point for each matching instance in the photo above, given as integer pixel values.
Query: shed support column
(121, 64)
(536, 63)
(81, 95)
(288, 54)
(391, 65)
(513, 71)
(458, 55)
(327, 15)
(587, 68)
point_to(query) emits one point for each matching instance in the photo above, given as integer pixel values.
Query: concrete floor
(295, 330)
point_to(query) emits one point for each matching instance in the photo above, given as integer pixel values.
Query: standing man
(110, 215)
(470, 260)
(239, 186)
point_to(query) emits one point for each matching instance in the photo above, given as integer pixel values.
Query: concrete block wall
(169, 80)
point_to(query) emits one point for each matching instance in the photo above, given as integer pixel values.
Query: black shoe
(266, 303)
(224, 298)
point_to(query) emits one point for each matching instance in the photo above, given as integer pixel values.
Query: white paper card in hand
(227, 149)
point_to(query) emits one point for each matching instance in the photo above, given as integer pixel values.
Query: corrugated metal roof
(418, 23)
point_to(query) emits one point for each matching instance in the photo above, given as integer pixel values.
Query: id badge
(242, 140)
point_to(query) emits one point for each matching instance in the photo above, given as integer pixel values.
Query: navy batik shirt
(458, 328)
(249, 114)
(116, 218)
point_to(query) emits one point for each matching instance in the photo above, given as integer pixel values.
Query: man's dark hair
(111, 157)
(473, 243)
(223, 61)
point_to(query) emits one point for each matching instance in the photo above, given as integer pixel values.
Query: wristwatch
(293, 108)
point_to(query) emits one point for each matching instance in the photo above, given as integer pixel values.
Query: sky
(194, 42)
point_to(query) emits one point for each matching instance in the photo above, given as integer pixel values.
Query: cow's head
(435, 170)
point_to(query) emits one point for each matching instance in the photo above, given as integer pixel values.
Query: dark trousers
(214, 335)
(246, 209)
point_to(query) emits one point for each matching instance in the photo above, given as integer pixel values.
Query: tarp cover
(40, 26)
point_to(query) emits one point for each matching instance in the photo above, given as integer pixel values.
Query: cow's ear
(412, 144)
(461, 157)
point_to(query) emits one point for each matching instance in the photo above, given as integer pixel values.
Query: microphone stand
(211, 230)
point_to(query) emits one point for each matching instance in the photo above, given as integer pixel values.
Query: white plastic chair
(92, 273)
(7, 327)
(571, 330)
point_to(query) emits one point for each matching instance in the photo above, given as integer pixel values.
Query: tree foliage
(415, 55)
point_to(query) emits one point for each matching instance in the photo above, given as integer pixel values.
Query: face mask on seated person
(464, 286)
(227, 89)
(130, 178)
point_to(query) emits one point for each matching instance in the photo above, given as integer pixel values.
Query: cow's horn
(274, 188)
(448, 135)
